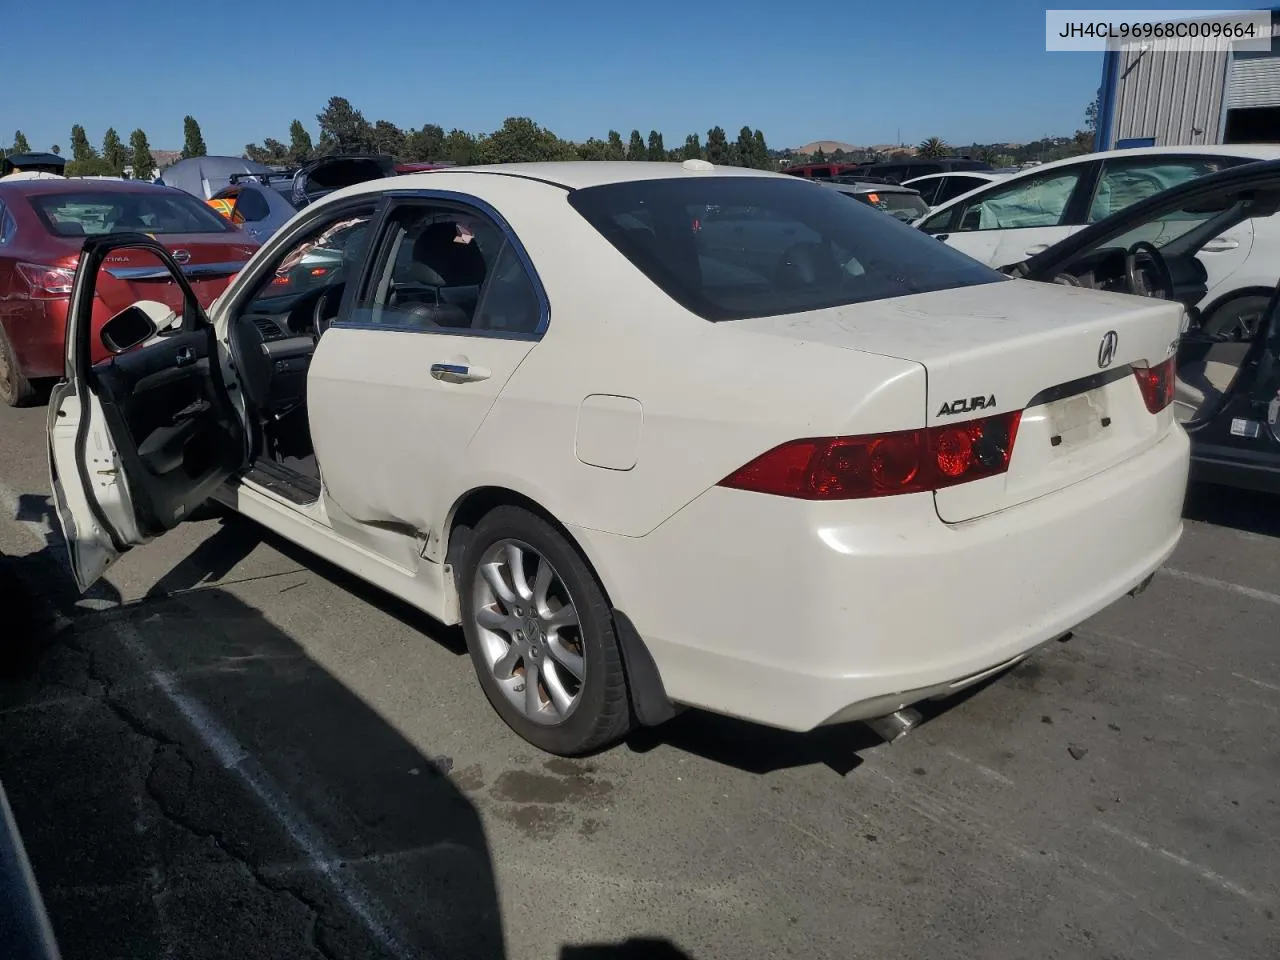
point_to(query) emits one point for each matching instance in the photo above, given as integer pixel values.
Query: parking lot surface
(231, 749)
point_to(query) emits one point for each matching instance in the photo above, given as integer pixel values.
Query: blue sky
(799, 71)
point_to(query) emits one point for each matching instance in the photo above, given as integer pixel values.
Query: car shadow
(190, 782)
(1251, 511)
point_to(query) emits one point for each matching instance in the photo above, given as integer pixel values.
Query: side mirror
(127, 329)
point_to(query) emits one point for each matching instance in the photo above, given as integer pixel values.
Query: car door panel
(138, 440)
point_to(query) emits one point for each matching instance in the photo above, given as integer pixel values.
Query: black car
(1227, 394)
(900, 170)
(25, 933)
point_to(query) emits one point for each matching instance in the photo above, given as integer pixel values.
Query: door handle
(184, 357)
(1220, 245)
(1037, 248)
(458, 372)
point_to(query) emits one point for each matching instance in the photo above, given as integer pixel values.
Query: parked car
(44, 223)
(1026, 213)
(1227, 394)
(899, 171)
(894, 199)
(263, 202)
(937, 188)
(551, 411)
(824, 171)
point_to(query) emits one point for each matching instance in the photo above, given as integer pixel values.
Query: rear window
(160, 211)
(729, 248)
(907, 207)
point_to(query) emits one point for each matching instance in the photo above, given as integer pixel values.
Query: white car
(938, 188)
(1006, 222)
(795, 461)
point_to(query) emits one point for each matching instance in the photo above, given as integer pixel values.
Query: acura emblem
(1107, 349)
(182, 256)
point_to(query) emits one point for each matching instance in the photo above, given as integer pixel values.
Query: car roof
(80, 185)
(986, 174)
(867, 186)
(570, 175)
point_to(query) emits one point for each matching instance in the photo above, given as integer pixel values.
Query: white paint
(1236, 588)
(1205, 873)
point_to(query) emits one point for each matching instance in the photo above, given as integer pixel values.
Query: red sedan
(43, 224)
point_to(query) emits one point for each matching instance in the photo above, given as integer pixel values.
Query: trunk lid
(1018, 345)
(208, 260)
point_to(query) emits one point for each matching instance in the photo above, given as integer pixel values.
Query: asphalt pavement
(231, 749)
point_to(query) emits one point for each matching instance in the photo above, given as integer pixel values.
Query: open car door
(137, 441)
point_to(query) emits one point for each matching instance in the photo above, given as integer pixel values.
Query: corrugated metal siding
(1174, 97)
(1254, 82)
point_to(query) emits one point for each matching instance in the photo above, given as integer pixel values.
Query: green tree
(520, 140)
(636, 149)
(818, 156)
(656, 150)
(460, 147)
(614, 149)
(746, 149)
(20, 144)
(81, 150)
(692, 148)
(141, 159)
(593, 149)
(300, 146)
(933, 148)
(388, 138)
(1091, 112)
(343, 128)
(55, 149)
(272, 152)
(95, 166)
(718, 151)
(192, 139)
(988, 155)
(113, 153)
(762, 151)
(424, 144)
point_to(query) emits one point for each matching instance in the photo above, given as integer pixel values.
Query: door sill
(283, 482)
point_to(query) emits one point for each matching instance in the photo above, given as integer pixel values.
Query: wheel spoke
(566, 616)
(515, 563)
(532, 701)
(492, 573)
(566, 658)
(493, 619)
(504, 667)
(559, 695)
(542, 578)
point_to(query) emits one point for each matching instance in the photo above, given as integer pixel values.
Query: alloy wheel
(529, 632)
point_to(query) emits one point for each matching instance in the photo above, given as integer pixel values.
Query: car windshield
(728, 248)
(157, 211)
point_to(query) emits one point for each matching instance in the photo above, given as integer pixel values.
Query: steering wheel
(326, 307)
(1136, 277)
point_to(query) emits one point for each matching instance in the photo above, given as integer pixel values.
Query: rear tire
(531, 606)
(1238, 318)
(15, 389)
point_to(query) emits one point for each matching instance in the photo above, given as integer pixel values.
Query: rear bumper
(797, 614)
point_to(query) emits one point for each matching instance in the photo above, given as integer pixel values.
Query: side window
(8, 227)
(929, 189)
(1126, 181)
(1037, 201)
(449, 269)
(251, 206)
(323, 257)
(957, 185)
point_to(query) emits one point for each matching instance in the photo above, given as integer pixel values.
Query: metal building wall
(1175, 97)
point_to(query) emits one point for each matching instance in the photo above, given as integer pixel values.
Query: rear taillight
(1157, 384)
(46, 283)
(880, 465)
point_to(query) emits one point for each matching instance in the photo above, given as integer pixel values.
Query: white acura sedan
(655, 434)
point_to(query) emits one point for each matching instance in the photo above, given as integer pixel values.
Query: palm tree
(933, 148)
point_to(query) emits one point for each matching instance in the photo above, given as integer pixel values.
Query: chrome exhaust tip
(894, 726)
